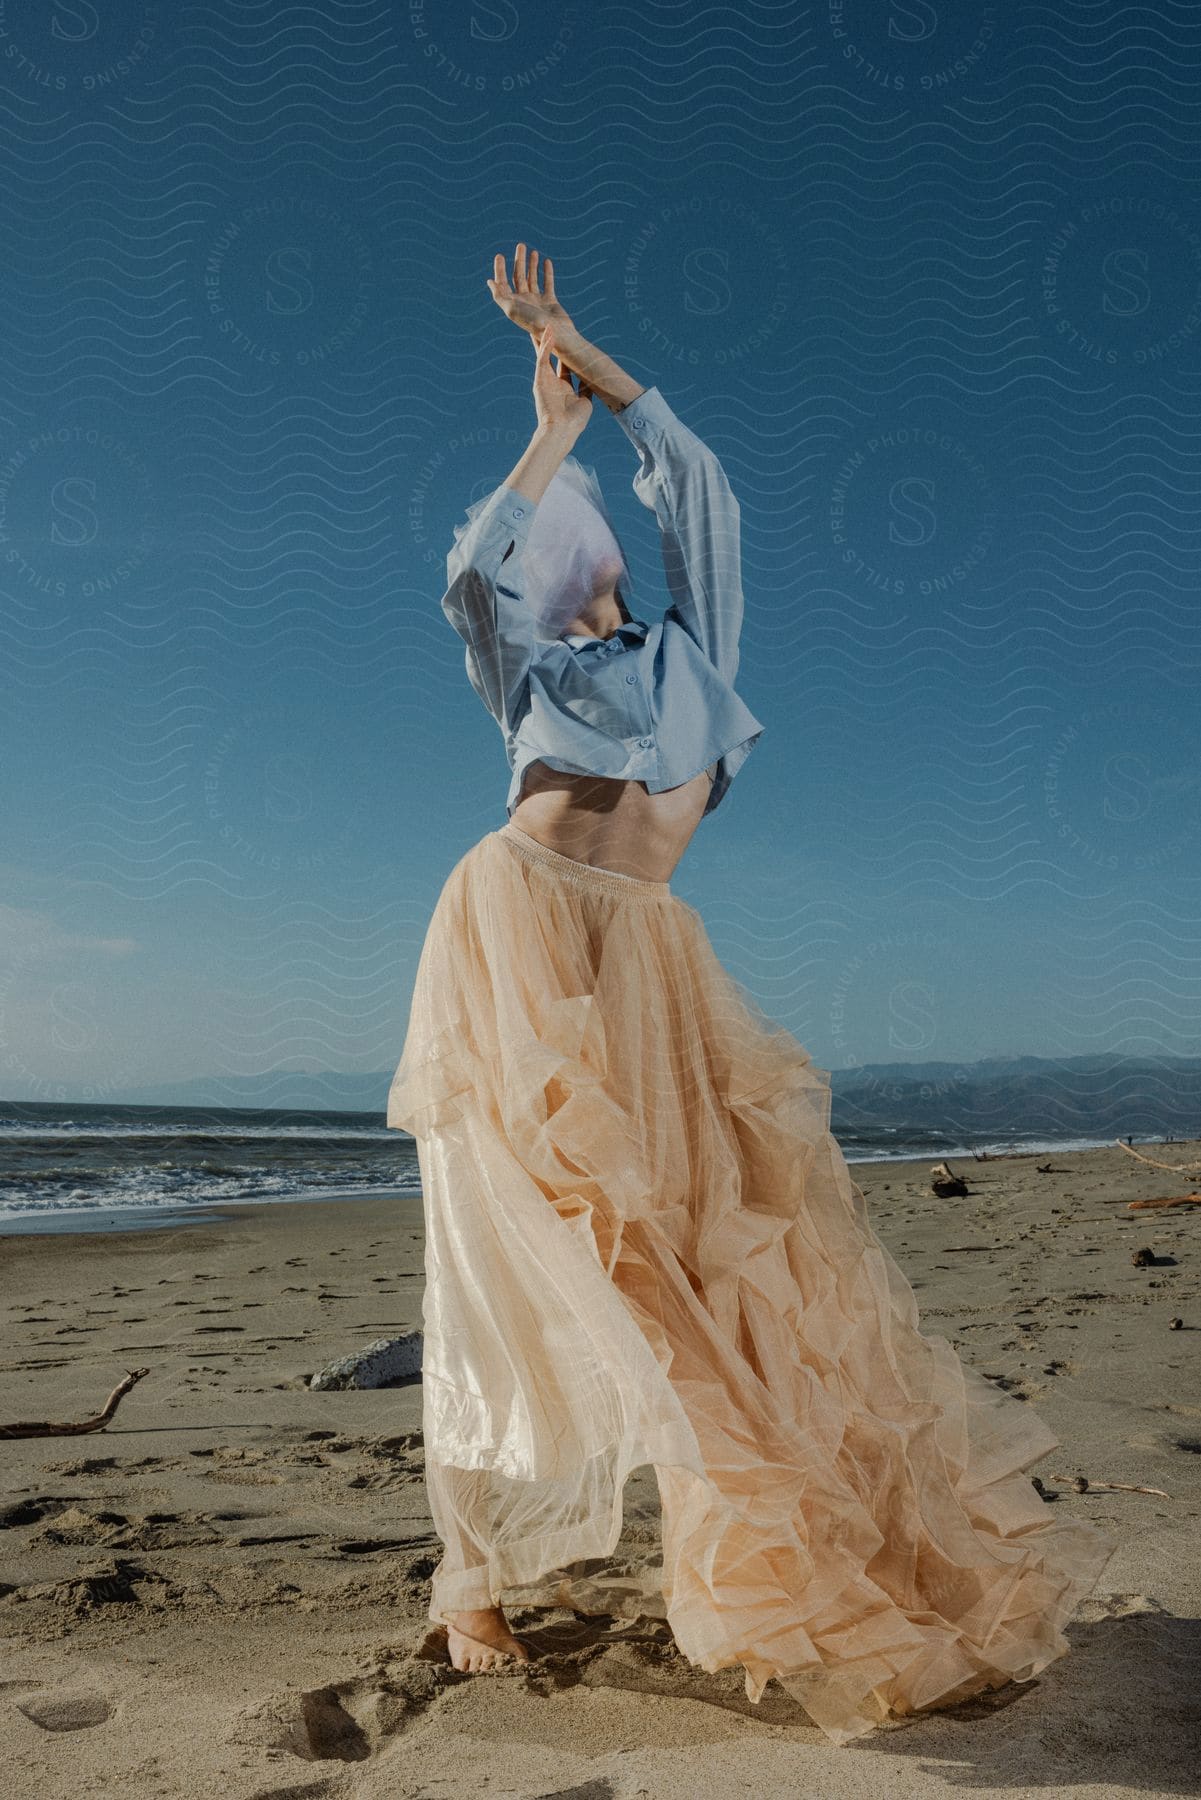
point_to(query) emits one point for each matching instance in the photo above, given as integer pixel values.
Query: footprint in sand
(88, 1465)
(76, 1525)
(1013, 1384)
(348, 1721)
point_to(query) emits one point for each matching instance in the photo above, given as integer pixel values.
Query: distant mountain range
(1088, 1096)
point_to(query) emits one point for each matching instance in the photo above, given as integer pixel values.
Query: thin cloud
(26, 933)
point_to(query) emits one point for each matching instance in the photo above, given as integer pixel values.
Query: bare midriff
(612, 824)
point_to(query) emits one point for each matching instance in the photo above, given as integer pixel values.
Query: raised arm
(487, 610)
(685, 486)
(483, 599)
(680, 479)
(536, 310)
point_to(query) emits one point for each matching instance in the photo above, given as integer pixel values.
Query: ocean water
(73, 1167)
(66, 1167)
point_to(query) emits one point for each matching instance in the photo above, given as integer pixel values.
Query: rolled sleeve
(488, 611)
(683, 483)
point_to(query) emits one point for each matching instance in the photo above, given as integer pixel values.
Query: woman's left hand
(521, 301)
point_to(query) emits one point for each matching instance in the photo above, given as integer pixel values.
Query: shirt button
(519, 512)
(631, 677)
(639, 421)
(646, 742)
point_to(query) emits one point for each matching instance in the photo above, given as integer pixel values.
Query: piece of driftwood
(44, 1428)
(1176, 1200)
(945, 1183)
(1131, 1151)
(375, 1365)
(1083, 1485)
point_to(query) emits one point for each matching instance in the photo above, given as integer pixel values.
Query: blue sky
(932, 290)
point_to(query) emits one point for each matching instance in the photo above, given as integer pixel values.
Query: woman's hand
(522, 302)
(556, 402)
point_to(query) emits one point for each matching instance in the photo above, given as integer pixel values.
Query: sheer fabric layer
(643, 1245)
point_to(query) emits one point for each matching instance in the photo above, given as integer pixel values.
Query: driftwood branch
(1083, 1485)
(1178, 1167)
(44, 1427)
(1176, 1200)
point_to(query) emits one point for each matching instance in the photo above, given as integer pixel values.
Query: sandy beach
(224, 1592)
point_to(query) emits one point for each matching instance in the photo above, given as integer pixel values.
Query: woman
(643, 1243)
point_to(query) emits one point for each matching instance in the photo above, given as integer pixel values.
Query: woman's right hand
(556, 401)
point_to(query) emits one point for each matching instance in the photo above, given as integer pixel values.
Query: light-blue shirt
(655, 702)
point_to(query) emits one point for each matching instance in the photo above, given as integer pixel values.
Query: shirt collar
(631, 631)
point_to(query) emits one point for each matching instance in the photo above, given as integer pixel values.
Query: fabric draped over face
(572, 552)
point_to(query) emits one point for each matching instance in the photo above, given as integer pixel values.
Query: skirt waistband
(587, 875)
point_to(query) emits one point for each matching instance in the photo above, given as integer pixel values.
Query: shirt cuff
(512, 512)
(647, 414)
(503, 518)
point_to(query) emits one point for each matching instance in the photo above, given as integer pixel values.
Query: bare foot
(482, 1640)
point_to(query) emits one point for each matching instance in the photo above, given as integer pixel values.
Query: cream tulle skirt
(644, 1247)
